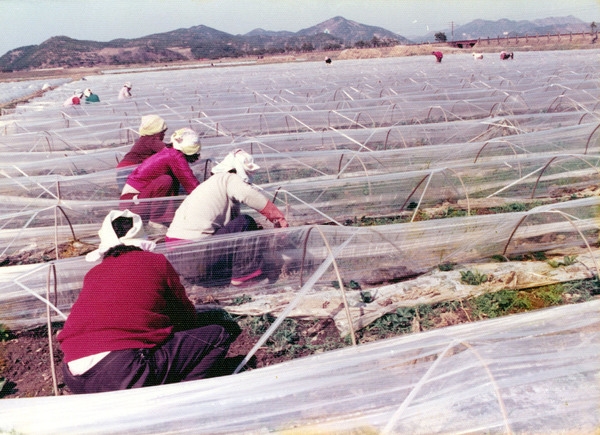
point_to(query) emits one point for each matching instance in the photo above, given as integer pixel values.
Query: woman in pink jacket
(159, 176)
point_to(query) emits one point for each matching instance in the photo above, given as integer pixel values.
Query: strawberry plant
(472, 278)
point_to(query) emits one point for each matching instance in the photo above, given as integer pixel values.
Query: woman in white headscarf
(90, 97)
(125, 92)
(133, 324)
(213, 208)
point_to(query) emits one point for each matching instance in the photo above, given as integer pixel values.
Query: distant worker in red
(133, 324)
(505, 55)
(161, 175)
(438, 55)
(74, 100)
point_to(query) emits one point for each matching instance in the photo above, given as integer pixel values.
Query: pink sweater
(167, 161)
(143, 148)
(132, 301)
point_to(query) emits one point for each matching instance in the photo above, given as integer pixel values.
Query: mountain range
(202, 42)
(504, 27)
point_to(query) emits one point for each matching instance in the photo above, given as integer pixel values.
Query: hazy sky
(27, 22)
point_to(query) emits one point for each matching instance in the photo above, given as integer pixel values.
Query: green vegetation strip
(289, 341)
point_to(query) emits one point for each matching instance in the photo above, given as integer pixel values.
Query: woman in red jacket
(130, 330)
(152, 132)
(160, 176)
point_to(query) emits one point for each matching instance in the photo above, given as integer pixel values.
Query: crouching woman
(214, 208)
(161, 175)
(133, 324)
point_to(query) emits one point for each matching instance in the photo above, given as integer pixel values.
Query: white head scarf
(152, 124)
(241, 161)
(108, 239)
(186, 140)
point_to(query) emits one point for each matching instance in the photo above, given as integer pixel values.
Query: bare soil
(26, 367)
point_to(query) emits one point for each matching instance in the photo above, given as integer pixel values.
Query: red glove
(272, 213)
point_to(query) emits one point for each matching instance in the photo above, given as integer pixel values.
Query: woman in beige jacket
(214, 208)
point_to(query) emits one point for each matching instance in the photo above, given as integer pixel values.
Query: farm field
(435, 210)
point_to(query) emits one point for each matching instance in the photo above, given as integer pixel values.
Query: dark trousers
(188, 355)
(218, 264)
(246, 255)
(161, 212)
(240, 257)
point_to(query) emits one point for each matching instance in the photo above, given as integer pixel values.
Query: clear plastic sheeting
(372, 256)
(54, 139)
(57, 200)
(468, 160)
(507, 125)
(260, 100)
(50, 201)
(381, 138)
(10, 91)
(534, 373)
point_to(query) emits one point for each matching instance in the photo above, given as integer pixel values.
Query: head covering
(241, 161)
(87, 92)
(127, 85)
(152, 124)
(186, 140)
(108, 239)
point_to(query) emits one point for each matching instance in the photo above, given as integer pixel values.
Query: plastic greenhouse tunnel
(398, 181)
